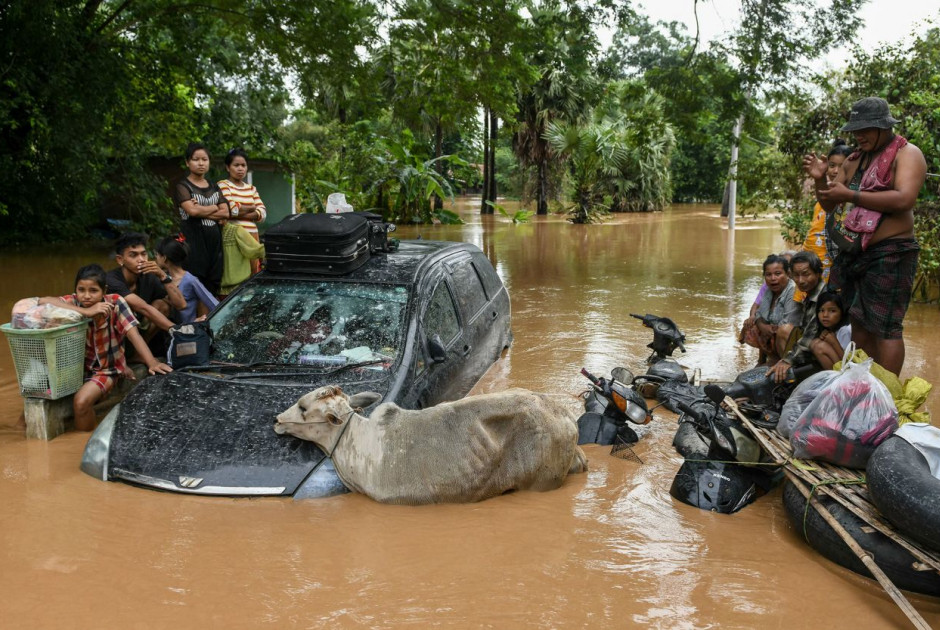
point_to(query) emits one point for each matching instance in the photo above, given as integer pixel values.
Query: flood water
(610, 549)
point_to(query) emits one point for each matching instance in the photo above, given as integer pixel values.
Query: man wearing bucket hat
(870, 219)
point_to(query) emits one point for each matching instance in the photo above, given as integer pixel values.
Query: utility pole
(733, 171)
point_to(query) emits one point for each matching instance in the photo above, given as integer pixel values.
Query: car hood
(202, 434)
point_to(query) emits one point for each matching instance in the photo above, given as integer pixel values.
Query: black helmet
(716, 486)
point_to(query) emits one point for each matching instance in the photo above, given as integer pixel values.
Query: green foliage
(565, 89)
(643, 183)
(411, 181)
(620, 160)
(927, 228)
(520, 216)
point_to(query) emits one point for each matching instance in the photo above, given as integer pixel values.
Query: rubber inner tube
(897, 563)
(904, 491)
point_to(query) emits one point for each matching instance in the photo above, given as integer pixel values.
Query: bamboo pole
(781, 454)
(775, 445)
(864, 556)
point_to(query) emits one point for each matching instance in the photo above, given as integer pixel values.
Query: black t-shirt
(149, 287)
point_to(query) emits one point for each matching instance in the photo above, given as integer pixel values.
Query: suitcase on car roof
(318, 243)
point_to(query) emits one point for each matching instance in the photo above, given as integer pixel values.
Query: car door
(438, 380)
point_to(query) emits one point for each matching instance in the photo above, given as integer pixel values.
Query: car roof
(400, 266)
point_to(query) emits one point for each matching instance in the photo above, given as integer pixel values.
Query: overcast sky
(885, 20)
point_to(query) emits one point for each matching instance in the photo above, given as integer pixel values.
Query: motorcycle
(762, 396)
(720, 480)
(609, 406)
(606, 423)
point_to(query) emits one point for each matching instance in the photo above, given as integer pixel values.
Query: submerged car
(419, 325)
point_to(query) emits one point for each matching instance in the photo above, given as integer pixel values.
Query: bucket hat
(869, 112)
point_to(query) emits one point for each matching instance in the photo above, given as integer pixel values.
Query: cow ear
(363, 399)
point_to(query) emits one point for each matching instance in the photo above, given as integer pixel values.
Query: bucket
(50, 361)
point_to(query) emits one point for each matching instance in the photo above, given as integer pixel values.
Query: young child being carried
(112, 321)
(834, 330)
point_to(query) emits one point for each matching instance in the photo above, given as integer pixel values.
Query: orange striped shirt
(244, 194)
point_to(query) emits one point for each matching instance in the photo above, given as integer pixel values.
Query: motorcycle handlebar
(590, 376)
(687, 409)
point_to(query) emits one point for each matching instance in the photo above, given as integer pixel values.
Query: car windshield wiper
(306, 369)
(359, 364)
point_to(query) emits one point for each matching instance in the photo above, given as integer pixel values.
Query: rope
(827, 482)
(734, 461)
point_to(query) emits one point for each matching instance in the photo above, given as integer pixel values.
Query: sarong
(877, 284)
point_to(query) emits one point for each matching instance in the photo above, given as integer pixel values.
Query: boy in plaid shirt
(112, 321)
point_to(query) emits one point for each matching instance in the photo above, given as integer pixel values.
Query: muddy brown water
(610, 549)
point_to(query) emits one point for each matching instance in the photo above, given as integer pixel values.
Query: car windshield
(326, 324)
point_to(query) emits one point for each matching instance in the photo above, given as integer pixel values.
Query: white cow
(462, 451)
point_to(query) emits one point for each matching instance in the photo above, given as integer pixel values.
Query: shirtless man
(876, 277)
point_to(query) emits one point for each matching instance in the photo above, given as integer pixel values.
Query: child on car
(112, 321)
(172, 252)
(834, 330)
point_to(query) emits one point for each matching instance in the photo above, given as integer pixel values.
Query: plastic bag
(804, 394)
(28, 313)
(908, 396)
(852, 415)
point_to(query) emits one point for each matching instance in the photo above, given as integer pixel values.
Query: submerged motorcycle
(609, 406)
(716, 476)
(613, 403)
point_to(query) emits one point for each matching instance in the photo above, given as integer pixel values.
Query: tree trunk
(541, 192)
(484, 208)
(494, 132)
(439, 165)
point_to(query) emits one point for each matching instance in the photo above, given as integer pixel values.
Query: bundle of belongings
(841, 415)
(28, 313)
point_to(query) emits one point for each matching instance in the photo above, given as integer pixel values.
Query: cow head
(319, 416)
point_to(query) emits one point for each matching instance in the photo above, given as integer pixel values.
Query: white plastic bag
(852, 415)
(804, 394)
(336, 203)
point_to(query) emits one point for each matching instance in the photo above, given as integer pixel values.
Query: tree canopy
(402, 103)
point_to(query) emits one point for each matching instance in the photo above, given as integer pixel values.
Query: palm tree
(563, 91)
(595, 157)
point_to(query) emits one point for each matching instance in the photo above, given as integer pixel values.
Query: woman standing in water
(247, 208)
(776, 307)
(201, 206)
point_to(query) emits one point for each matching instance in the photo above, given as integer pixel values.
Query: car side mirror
(436, 349)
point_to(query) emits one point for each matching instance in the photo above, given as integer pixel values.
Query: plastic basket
(49, 362)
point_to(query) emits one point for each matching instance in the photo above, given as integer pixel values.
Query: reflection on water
(610, 549)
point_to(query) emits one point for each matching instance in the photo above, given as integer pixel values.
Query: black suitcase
(319, 243)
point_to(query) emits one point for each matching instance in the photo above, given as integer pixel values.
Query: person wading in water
(870, 218)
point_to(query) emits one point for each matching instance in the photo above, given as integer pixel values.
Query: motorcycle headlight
(98, 448)
(636, 413)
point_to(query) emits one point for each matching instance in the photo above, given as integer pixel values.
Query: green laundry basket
(50, 361)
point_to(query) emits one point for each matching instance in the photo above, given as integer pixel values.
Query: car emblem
(190, 482)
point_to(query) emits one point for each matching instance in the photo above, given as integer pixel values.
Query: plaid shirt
(104, 345)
